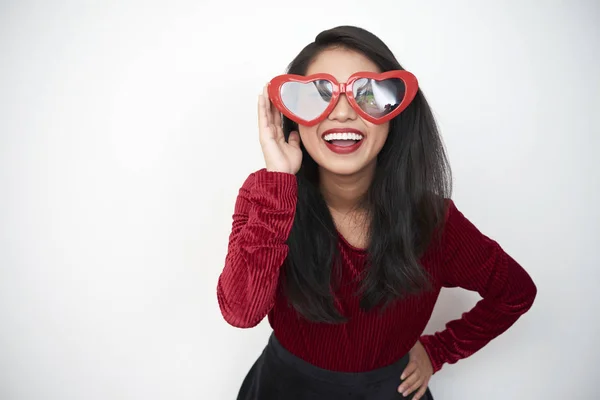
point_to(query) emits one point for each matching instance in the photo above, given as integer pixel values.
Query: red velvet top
(248, 289)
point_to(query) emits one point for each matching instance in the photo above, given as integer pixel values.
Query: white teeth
(343, 136)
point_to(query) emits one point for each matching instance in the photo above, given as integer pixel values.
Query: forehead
(341, 63)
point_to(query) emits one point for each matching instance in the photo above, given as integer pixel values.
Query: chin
(344, 168)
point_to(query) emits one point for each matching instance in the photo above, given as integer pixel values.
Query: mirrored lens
(307, 100)
(378, 98)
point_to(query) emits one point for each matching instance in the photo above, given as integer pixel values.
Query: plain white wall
(127, 127)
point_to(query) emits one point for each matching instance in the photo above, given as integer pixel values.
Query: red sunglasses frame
(410, 82)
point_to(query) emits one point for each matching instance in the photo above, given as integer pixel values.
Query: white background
(127, 127)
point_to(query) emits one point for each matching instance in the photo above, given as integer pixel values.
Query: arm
(475, 262)
(263, 217)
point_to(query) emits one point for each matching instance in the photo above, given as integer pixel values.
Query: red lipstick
(335, 147)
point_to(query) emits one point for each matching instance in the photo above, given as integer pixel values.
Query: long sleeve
(263, 217)
(475, 262)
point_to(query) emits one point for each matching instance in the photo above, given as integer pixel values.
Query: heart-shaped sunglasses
(376, 97)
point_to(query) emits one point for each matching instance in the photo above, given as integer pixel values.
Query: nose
(343, 111)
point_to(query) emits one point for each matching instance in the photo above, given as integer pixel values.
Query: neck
(344, 193)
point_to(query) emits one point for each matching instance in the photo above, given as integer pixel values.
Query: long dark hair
(405, 202)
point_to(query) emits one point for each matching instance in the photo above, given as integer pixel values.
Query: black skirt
(280, 375)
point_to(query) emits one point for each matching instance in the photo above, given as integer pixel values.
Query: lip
(343, 149)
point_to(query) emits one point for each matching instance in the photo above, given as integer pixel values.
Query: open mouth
(343, 139)
(343, 142)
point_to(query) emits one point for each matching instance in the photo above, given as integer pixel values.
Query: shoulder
(456, 223)
(451, 212)
(453, 229)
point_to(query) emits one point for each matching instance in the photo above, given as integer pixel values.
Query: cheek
(379, 133)
(308, 136)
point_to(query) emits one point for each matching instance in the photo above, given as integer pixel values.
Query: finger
(412, 388)
(294, 139)
(413, 381)
(421, 392)
(410, 368)
(262, 112)
(410, 381)
(268, 107)
(264, 132)
(276, 117)
(279, 136)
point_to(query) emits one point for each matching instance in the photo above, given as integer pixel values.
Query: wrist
(278, 170)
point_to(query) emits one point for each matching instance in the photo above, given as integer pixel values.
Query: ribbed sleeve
(263, 217)
(475, 262)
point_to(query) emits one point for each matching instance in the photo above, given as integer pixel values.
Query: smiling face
(343, 143)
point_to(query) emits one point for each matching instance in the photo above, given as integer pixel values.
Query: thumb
(294, 139)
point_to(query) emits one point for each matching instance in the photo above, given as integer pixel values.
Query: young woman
(346, 237)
